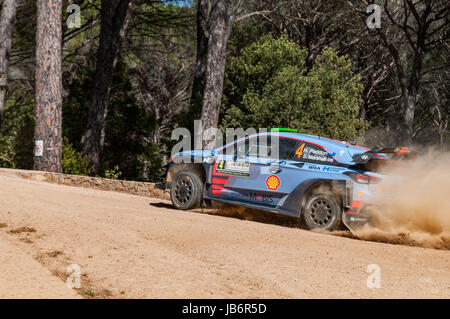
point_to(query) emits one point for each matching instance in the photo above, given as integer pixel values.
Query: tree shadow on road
(249, 214)
(240, 212)
(163, 205)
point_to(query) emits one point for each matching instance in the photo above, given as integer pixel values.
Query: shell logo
(273, 182)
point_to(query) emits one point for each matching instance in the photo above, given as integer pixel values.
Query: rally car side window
(236, 148)
(257, 146)
(264, 147)
(229, 150)
(287, 148)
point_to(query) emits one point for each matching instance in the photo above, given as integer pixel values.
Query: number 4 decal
(299, 151)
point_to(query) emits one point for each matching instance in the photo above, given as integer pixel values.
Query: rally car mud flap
(354, 221)
(366, 215)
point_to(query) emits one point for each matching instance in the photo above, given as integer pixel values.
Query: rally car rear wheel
(186, 190)
(322, 211)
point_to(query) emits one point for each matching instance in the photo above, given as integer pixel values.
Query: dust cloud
(413, 210)
(415, 205)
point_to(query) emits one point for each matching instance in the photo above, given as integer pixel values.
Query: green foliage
(257, 64)
(150, 162)
(129, 128)
(113, 173)
(16, 133)
(76, 104)
(74, 162)
(268, 86)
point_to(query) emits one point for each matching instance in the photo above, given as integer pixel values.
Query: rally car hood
(192, 154)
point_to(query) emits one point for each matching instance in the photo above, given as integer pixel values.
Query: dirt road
(23, 277)
(126, 246)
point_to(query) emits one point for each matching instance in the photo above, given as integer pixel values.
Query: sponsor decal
(241, 169)
(330, 169)
(273, 182)
(314, 167)
(364, 157)
(260, 198)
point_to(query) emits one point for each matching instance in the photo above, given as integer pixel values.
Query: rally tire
(322, 211)
(186, 191)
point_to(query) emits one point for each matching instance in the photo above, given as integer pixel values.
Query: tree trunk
(443, 133)
(441, 122)
(203, 8)
(408, 119)
(215, 68)
(7, 17)
(48, 108)
(115, 16)
(413, 87)
(417, 38)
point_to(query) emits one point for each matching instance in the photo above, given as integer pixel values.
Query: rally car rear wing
(366, 157)
(372, 159)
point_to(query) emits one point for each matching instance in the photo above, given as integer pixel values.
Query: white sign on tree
(39, 150)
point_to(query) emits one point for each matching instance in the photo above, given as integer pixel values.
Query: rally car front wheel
(322, 211)
(186, 190)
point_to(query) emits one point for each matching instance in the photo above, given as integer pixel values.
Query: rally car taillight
(363, 178)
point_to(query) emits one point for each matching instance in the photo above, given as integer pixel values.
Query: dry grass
(55, 253)
(26, 240)
(87, 290)
(21, 230)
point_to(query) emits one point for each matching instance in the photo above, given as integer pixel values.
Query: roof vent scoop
(284, 129)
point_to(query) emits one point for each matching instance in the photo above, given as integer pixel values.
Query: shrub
(74, 162)
(113, 173)
(268, 86)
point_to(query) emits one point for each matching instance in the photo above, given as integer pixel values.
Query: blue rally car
(322, 181)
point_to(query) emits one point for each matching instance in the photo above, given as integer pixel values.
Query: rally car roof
(328, 143)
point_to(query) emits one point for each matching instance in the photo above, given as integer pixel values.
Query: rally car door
(256, 177)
